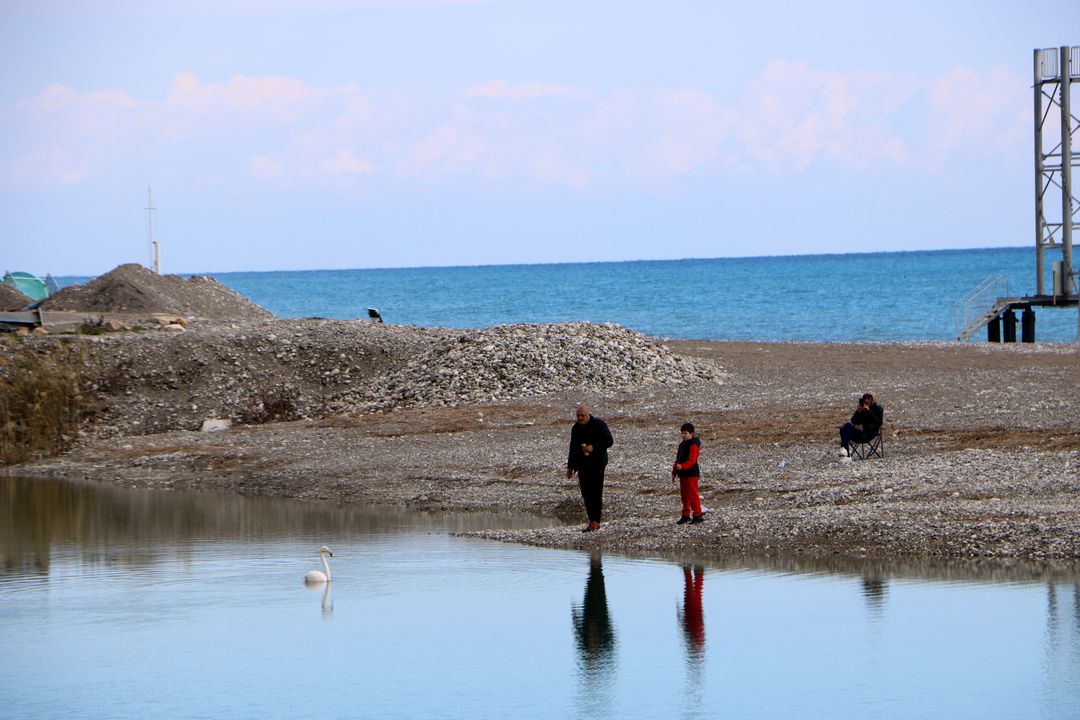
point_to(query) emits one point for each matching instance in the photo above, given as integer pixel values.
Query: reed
(43, 399)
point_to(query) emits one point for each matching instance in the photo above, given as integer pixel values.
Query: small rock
(215, 425)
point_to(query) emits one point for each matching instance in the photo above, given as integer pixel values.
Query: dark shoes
(591, 526)
(683, 520)
(698, 519)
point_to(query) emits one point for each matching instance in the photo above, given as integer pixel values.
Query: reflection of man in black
(874, 590)
(592, 625)
(691, 617)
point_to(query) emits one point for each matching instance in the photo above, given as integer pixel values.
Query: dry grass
(436, 420)
(43, 399)
(995, 438)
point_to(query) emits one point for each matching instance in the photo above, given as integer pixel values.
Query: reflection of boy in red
(692, 617)
(686, 469)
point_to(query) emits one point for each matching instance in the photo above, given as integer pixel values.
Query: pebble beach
(982, 442)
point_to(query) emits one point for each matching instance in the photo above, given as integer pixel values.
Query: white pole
(1066, 181)
(1040, 286)
(155, 254)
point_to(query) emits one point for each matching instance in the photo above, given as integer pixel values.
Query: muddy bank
(982, 455)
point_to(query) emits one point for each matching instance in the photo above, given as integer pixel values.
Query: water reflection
(595, 636)
(129, 528)
(435, 626)
(1062, 633)
(874, 589)
(881, 573)
(691, 615)
(327, 600)
(691, 619)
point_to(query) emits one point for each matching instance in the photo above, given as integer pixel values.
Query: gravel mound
(250, 372)
(515, 361)
(272, 370)
(133, 288)
(12, 299)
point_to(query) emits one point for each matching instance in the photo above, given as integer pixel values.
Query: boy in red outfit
(686, 470)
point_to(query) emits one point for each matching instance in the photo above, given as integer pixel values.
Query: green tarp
(29, 285)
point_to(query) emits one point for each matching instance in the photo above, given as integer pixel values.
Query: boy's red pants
(691, 501)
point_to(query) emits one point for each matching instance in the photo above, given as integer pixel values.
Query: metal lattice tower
(1056, 69)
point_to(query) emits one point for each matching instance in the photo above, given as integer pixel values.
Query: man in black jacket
(864, 426)
(589, 441)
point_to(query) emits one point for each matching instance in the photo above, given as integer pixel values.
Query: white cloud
(795, 115)
(983, 113)
(524, 91)
(61, 136)
(452, 148)
(789, 118)
(57, 98)
(256, 125)
(691, 129)
(344, 162)
(193, 107)
(266, 167)
(278, 95)
(551, 168)
(53, 166)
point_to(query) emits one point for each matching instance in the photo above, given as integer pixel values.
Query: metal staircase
(984, 303)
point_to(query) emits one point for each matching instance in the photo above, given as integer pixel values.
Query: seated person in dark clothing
(864, 426)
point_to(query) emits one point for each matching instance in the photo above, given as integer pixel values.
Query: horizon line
(569, 263)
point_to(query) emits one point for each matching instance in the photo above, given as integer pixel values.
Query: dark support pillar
(1010, 326)
(1027, 325)
(993, 330)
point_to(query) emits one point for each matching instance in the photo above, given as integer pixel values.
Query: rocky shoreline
(982, 442)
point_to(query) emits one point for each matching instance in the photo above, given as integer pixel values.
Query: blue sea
(821, 298)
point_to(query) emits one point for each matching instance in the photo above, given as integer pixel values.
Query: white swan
(313, 577)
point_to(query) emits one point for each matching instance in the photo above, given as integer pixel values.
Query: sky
(306, 134)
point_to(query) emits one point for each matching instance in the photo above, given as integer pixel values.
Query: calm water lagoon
(119, 603)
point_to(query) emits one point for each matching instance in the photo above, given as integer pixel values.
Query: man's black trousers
(591, 482)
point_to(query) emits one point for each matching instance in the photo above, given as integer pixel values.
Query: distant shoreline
(854, 297)
(215, 273)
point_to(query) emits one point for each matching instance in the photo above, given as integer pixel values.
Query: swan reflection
(327, 602)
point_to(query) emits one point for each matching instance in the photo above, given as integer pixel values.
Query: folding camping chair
(869, 448)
